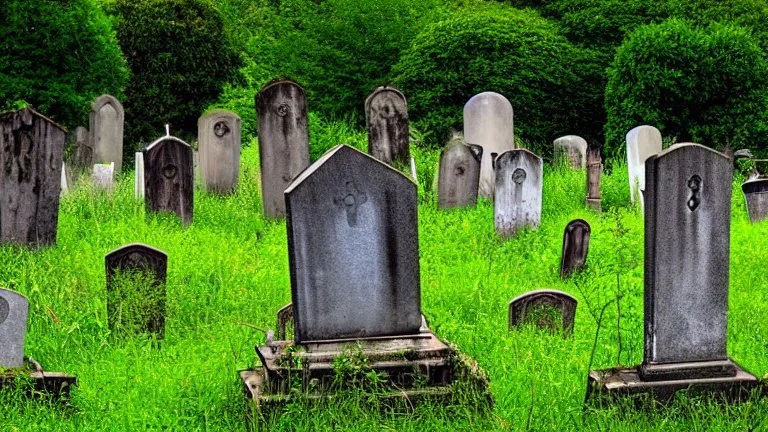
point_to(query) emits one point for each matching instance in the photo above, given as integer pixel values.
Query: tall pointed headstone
(459, 174)
(642, 143)
(386, 117)
(519, 182)
(489, 123)
(106, 131)
(169, 179)
(218, 134)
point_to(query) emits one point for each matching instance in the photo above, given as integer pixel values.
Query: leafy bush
(58, 56)
(708, 85)
(554, 86)
(180, 58)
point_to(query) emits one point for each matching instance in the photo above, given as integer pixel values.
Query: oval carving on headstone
(459, 171)
(283, 109)
(519, 176)
(169, 171)
(694, 184)
(5, 310)
(220, 129)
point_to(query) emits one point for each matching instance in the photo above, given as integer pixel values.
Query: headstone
(386, 117)
(31, 153)
(284, 321)
(64, 185)
(572, 149)
(106, 131)
(138, 175)
(103, 176)
(353, 249)
(169, 180)
(756, 195)
(642, 143)
(594, 172)
(548, 309)
(459, 174)
(488, 122)
(218, 134)
(82, 150)
(517, 202)
(136, 275)
(575, 247)
(283, 141)
(14, 310)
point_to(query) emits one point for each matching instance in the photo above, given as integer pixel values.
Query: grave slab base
(611, 383)
(54, 384)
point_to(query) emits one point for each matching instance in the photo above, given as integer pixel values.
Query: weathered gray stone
(64, 182)
(386, 116)
(106, 131)
(572, 149)
(169, 179)
(575, 247)
(489, 123)
(103, 175)
(353, 249)
(756, 195)
(283, 141)
(14, 310)
(459, 174)
(594, 172)
(517, 203)
(138, 175)
(548, 309)
(218, 134)
(31, 154)
(82, 150)
(140, 307)
(642, 143)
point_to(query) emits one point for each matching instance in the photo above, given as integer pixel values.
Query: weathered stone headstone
(14, 310)
(138, 175)
(106, 131)
(519, 182)
(572, 149)
(687, 248)
(283, 141)
(353, 249)
(136, 275)
(284, 321)
(31, 154)
(642, 143)
(82, 150)
(489, 123)
(575, 247)
(169, 180)
(756, 194)
(218, 134)
(64, 183)
(103, 175)
(459, 174)
(594, 171)
(386, 117)
(548, 309)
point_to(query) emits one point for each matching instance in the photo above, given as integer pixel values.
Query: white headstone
(642, 143)
(519, 181)
(138, 179)
(488, 122)
(103, 175)
(64, 186)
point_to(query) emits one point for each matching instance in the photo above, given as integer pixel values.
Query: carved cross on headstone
(352, 198)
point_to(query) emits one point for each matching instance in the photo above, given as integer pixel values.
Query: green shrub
(555, 87)
(180, 58)
(708, 85)
(58, 57)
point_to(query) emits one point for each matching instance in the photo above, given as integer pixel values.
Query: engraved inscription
(694, 184)
(351, 200)
(283, 110)
(519, 176)
(459, 171)
(169, 171)
(220, 129)
(5, 310)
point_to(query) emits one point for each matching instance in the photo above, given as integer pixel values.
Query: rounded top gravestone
(642, 143)
(106, 130)
(459, 174)
(218, 134)
(14, 310)
(572, 149)
(386, 117)
(169, 177)
(517, 200)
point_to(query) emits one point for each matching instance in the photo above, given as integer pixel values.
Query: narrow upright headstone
(64, 184)
(82, 150)
(572, 149)
(756, 194)
(169, 180)
(519, 181)
(14, 310)
(31, 154)
(642, 143)
(575, 247)
(353, 249)
(459, 174)
(136, 294)
(138, 175)
(106, 131)
(594, 172)
(547, 308)
(386, 117)
(489, 123)
(103, 176)
(218, 134)
(283, 141)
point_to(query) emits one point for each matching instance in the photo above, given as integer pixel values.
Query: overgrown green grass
(230, 267)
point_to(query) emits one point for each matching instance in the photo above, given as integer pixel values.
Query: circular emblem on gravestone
(5, 310)
(519, 176)
(220, 129)
(458, 171)
(169, 171)
(283, 110)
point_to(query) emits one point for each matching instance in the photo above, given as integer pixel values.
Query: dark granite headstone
(756, 195)
(106, 131)
(549, 309)
(575, 247)
(386, 116)
(283, 141)
(31, 155)
(136, 275)
(14, 311)
(169, 180)
(353, 249)
(459, 174)
(517, 201)
(218, 134)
